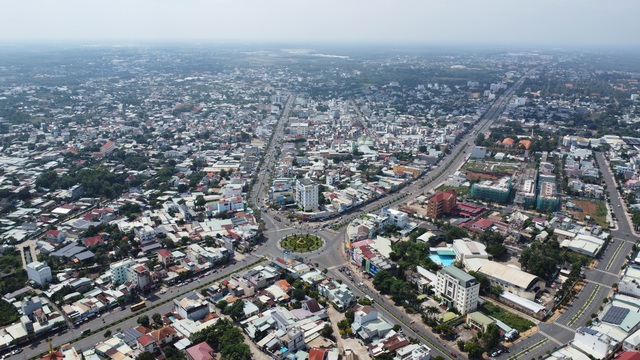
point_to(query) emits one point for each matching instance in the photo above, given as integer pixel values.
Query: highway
(332, 256)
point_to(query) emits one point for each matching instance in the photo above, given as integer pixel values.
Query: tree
(327, 331)
(491, 337)
(200, 201)
(236, 310)
(474, 349)
(143, 320)
(222, 304)
(146, 356)
(172, 353)
(157, 318)
(480, 139)
(107, 334)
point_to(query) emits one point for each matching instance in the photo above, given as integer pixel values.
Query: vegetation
(542, 259)
(301, 243)
(8, 313)
(224, 338)
(400, 291)
(506, 317)
(96, 182)
(13, 276)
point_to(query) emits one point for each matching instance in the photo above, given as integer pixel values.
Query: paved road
(330, 257)
(598, 281)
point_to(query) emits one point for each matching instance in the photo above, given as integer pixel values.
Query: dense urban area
(282, 203)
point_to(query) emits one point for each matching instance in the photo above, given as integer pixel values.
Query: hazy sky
(561, 22)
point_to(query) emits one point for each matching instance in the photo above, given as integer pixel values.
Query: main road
(333, 255)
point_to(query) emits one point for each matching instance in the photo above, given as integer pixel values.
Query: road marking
(597, 283)
(521, 353)
(584, 307)
(550, 337)
(613, 257)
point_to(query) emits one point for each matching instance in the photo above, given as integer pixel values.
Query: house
(93, 241)
(55, 235)
(148, 343)
(481, 225)
(165, 257)
(201, 351)
(165, 335)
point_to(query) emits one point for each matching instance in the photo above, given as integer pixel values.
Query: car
(16, 351)
(454, 354)
(163, 292)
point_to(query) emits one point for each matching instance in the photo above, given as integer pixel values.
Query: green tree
(474, 349)
(236, 310)
(491, 337)
(107, 334)
(143, 320)
(157, 318)
(146, 356)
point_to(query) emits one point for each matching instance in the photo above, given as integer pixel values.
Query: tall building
(493, 191)
(442, 202)
(548, 199)
(119, 270)
(307, 194)
(139, 275)
(458, 289)
(39, 272)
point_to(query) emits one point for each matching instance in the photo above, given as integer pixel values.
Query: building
(307, 194)
(191, 306)
(548, 199)
(478, 152)
(413, 352)
(140, 277)
(165, 257)
(442, 202)
(593, 342)
(479, 321)
(201, 351)
(39, 272)
(339, 294)
(119, 270)
(396, 217)
(493, 191)
(145, 233)
(458, 289)
(513, 280)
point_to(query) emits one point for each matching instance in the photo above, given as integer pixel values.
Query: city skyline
(464, 22)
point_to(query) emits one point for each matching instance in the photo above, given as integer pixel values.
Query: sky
(450, 22)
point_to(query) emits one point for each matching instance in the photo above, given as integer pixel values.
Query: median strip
(584, 307)
(148, 309)
(614, 257)
(523, 352)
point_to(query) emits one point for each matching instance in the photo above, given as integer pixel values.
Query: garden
(301, 243)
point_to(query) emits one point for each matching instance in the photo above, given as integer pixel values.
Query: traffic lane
(393, 312)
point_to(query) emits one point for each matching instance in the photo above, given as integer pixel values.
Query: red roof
(164, 253)
(93, 241)
(201, 351)
(146, 339)
(483, 223)
(629, 355)
(317, 353)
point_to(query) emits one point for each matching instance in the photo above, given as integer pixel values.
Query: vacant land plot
(596, 210)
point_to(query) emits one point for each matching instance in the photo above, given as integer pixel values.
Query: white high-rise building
(307, 194)
(119, 270)
(39, 272)
(458, 288)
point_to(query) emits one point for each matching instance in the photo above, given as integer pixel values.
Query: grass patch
(301, 243)
(519, 323)
(459, 189)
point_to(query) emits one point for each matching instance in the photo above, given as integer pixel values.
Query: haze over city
(464, 22)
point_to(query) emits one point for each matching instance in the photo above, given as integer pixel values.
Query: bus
(138, 306)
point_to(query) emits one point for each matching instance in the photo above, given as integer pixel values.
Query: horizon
(542, 23)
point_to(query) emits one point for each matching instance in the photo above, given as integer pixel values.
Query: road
(598, 281)
(332, 256)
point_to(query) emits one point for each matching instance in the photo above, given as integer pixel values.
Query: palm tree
(431, 310)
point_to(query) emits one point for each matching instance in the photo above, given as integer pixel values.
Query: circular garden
(301, 242)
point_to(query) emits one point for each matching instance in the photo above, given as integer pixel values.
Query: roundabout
(301, 243)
